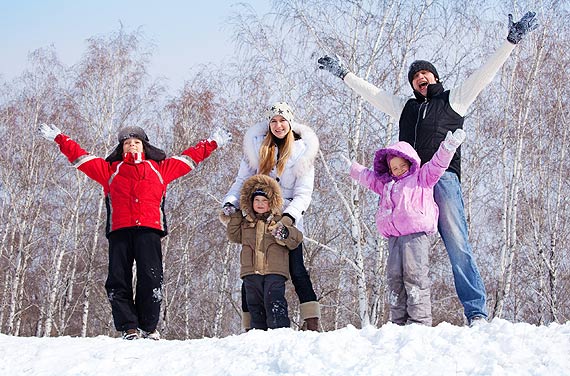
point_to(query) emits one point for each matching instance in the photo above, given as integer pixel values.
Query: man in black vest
(423, 122)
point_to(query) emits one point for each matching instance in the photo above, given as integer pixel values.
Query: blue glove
(517, 30)
(334, 65)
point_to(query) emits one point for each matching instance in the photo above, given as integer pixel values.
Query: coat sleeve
(177, 166)
(366, 178)
(244, 172)
(385, 102)
(295, 236)
(94, 167)
(432, 170)
(234, 227)
(461, 97)
(302, 194)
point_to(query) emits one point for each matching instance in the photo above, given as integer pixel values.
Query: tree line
(515, 173)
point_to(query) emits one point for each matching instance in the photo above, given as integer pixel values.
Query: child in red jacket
(134, 179)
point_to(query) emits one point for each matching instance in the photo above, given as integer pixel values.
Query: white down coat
(298, 178)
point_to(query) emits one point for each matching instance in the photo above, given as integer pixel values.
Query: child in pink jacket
(407, 214)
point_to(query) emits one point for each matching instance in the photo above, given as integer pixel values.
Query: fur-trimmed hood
(305, 153)
(268, 185)
(400, 149)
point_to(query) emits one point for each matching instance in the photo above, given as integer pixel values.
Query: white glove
(49, 131)
(346, 163)
(228, 209)
(453, 140)
(221, 136)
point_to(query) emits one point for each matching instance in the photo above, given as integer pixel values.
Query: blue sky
(185, 33)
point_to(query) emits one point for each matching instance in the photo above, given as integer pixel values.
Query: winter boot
(155, 335)
(130, 334)
(311, 324)
(310, 314)
(246, 321)
(476, 321)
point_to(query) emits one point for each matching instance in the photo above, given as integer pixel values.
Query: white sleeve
(385, 102)
(302, 194)
(461, 97)
(244, 172)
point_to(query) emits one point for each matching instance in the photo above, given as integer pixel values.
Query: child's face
(132, 145)
(260, 204)
(399, 166)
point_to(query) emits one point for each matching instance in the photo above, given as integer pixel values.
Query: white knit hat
(280, 108)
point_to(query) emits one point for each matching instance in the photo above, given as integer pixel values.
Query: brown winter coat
(261, 253)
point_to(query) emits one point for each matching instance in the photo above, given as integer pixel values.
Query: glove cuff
(449, 146)
(287, 215)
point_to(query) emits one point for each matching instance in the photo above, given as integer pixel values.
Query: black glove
(280, 232)
(517, 30)
(333, 65)
(228, 209)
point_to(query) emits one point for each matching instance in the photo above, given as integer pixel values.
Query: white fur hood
(304, 150)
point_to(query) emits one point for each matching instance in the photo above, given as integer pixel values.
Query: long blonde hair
(269, 147)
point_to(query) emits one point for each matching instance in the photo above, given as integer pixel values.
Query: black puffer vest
(425, 121)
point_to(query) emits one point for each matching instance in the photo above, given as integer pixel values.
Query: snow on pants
(408, 279)
(143, 246)
(299, 277)
(266, 301)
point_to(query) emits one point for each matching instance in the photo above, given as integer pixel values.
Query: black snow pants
(143, 246)
(266, 301)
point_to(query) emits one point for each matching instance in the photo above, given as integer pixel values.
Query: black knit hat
(419, 65)
(151, 152)
(258, 192)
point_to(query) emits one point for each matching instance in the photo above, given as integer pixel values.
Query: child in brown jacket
(266, 237)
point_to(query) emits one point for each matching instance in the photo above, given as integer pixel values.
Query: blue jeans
(452, 227)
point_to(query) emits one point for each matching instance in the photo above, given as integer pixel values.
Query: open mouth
(423, 84)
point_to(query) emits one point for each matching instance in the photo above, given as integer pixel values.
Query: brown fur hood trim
(268, 185)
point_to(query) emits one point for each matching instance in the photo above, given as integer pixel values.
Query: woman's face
(279, 126)
(132, 145)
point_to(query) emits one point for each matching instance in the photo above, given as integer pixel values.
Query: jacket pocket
(246, 256)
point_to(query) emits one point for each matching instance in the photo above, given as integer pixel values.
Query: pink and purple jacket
(406, 203)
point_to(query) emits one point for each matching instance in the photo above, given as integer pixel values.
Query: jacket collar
(133, 158)
(433, 90)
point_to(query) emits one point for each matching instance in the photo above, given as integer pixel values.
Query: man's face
(421, 81)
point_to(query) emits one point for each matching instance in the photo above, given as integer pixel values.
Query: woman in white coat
(286, 151)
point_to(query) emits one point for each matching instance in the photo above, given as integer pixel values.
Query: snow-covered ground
(497, 348)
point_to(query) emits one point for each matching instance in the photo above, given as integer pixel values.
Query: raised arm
(431, 171)
(177, 166)
(461, 97)
(385, 102)
(94, 167)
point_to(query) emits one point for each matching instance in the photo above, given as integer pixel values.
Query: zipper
(425, 104)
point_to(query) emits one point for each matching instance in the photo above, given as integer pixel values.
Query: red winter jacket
(135, 192)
